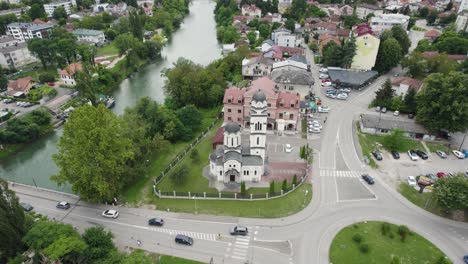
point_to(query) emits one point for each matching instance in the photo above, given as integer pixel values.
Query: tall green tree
(400, 35)
(99, 242)
(348, 51)
(137, 257)
(332, 54)
(13, 226)
(125, 42)
(443, 102)
(290, 24)
(86, 84)
(59, 13)
(94, 153)
(409, 101)
(416, 64)
(431, 17)
(452, 193)
(136, 21)
(36, 11)
(3, 79)
(383, 97)
(395, 140)
(252, 36)
(388, 56)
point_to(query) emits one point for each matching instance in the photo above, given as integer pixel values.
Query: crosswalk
(194, 235)
(341, 173)
(240, 247)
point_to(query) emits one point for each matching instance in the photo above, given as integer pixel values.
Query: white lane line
(241, 246)
(242, 239)
(242, 243)
(237, 257)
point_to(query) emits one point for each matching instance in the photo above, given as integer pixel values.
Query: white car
(314, 130)
(396, 113)
(441, 154)
(342, 96)
(323, 70)
(458, 154)
(326, 84)
(331, 96)
(411, 181)
(323, 109)
(316, 125)
(413, 156)
(345, 90)
(288, 148)
(110, 214)
(323, 76)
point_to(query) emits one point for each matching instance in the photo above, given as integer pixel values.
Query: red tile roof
(343, 32)
(21, 84)
(287, 98)
(430, 54)
(412, 83)
(432, 34)
(219, 137)
(234, 94)
(71, 69)
(458, 57)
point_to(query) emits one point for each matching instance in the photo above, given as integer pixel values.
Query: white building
(461, 23)
(14, 56)
(26, 31)
(363, 10)
(234, 162)
(463, 6)
(6, 41)
(50, 7)
(383, 22)
(67, 75)
(251, 10)
(288, 40)
(89, 35)
(16, 11)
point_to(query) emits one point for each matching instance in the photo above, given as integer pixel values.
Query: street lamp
(463, 141)
(195, 198)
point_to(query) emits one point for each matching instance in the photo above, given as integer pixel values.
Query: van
(184, 240)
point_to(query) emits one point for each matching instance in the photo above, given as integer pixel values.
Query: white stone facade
(50, 8)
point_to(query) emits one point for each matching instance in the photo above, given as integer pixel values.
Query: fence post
(204, 195)
(189, 195)
(251, 196)
(235, 196)
(282, 192)
(294, 186)
(266, 196)
(174, 194)
(219, 195)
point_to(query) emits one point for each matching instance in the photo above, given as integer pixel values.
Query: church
(234, 162)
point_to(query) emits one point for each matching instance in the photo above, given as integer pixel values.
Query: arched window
(232, 142)
(258, 140)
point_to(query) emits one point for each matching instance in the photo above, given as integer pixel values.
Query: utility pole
(463, 141)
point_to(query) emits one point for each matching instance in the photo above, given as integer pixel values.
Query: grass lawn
(433, 147)
(109, 49)
(367, 146)
(382, 248)
(280, 207)
(176, 260)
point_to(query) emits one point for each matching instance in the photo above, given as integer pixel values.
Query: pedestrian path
(194, 235)
(239, 249)
(341, 173)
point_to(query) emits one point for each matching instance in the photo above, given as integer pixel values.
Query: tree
(416, 64)
(5, 20)
(443, 102)
(59, 13)
(388, 56)
(272, 187)
(36, 11)
(251, 36)
(230, 35)
(452, 45)
(431, 17)
(284, 186)
(99, 243)
(3, 79)
(243, 189)
(449, 6)
(180, 174)
(332, 54)
(136, 22)
(349, 21)
(191, 117)
(13, 225)
(194, 155)
(423, 12)
(348, 51)
(125, 42)
(400, 35)
(85, 83)
(93, 154)
(290, 24)
(409, 101)
(395, 140)
(264, 30)
(137, 257)
(383, 97)
(294, 180)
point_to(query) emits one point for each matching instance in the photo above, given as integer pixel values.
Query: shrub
(395, 260)
(357, 238)
(403, 231)
(443, 260)
(364, 248)
(180, 174)
(284, 186)
(391, 235)
(46, 77)
(385, 228)
(294, 180)
(243, 190)
(52, 93)
(194, 155)
(272, 187)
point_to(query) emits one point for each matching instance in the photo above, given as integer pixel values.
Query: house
(251, 10)
(354, 79)
(6, 41)
(363, 10)
(282, 107)
(272, 18)
(25, 31)
(384, 124)
(343, 33)
(67, 75)
(267, 45)
(455, 57)
(325, 38)
(362, 29)
(89, 35)
(50, 7)
(15, 56)
(383, 22)
(293, 79)
(461, 24)
(101, 7)
(296, 61)
(256, 67)
(432, 35)
(16, 11)
(117, 8)
(367, 47)
(288, 40)
(279, 32)
(279, 53)
(325, 27)
(20, 86)
(463, 6)
(401, 85)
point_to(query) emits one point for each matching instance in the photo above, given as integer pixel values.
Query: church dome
(232, 128)
(259, 96)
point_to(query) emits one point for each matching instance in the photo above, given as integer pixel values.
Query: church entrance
(232, 178)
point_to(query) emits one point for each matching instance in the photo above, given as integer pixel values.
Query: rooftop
(87, 32)
(412, 83)
(17, 46)
(300, 77)
(350, 77)
(392, 122)
(30, 26)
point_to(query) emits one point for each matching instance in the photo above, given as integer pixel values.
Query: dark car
(421, 154)
(431, 176)
(27, 207)
(395, 154)
(63, 205)
(410, 116)
(465, 259)
(239, 231)
(184, 240)
(377, 155)
(331, 91)
(368, 178)
(156, 222)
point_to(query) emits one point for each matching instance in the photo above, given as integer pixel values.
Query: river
(195, 40)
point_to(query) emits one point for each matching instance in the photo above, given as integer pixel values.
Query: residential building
(293, 79)
(432, 35)
(15, 56)
(463, 6)
(363, 10)
(117, 8)
(279, 32)
(251, 10)
(296, 61)
(16, 11)
(50, 7)
(382, 22)
(20, 86)
(401, 85)
(279, 53)
(102, 7)
(267, 45)
(26, 31)
(325, 38)
(67, 75)
(461, 23)
(12, 2)
(6, 41)
(89, 35)
(256, 67)
(384, 124)
(235, 162)
(367, 47)
(282, 107)
(272, 18)
(454, 57)
(288, 40)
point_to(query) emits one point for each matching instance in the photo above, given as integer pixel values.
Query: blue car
(465, 259)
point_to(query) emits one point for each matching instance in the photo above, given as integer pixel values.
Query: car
(288, 148)
(156, 222)
(323, 76)
(466, 174)
(384, 110)
(395, 154)
(7, 101)
(323, 109)
(323, 70)
(465, 259)
(411, 181)
(458, 154)
(345, 90)
(431, 176)
(110, 214)
(331, 96)
(63, 205)
(441, 175)
(396, 75)
(331, 91)
(444, 133)
(377, 155)
(422, 154)
(184, 240)
(396, 113)
(368, 179)
(412, 154)
(316, 125)
(314, 130)
(27, 207)
(239, 231)
(410, 116)
(441, 154)
(377, 109)
(342, 96)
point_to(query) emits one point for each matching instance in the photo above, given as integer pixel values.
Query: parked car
(323, 70)
(377, 109)
(377, 155)
(7, 101)
(441, 154)
(326, 83)
(441, 174)
(345, 90)
(288, 148)
(342, 96)
(443, 133)
(465, 259)
(368, 178)
(27, 207)
(384, 110)
(331, 91)
(395, 154)
(110, 214)
(323, 76)
(323, 109)
(184, 240)
(396, 113)
(156, 222)
(239, 231)
(431, 176)
(314, 130)
(411, 181)
(331, 96)
(412, 154)
(458, 154)
(422, 154)
(63, 205)
(410, 116)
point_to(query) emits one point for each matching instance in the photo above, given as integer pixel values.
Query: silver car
(441, 154)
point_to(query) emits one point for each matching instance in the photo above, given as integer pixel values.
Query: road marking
(341, 174)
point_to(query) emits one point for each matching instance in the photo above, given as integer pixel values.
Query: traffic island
(381, 242)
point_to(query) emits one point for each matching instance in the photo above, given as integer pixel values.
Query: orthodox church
(235, 162)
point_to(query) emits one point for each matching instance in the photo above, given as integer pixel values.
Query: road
(340, 199)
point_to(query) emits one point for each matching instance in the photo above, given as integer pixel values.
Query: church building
(235, 162)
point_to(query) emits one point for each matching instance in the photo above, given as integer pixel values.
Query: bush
(194, 155)
(357, 238)
(443, 260)
(385, 228)
(243, 190)
(180, 174)
(51, 93)
(403, 231)
(284, 186)
(391, 235)
(364, 248)
(46, 77)
(294, 180)
(272, 187)
(395, 260)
